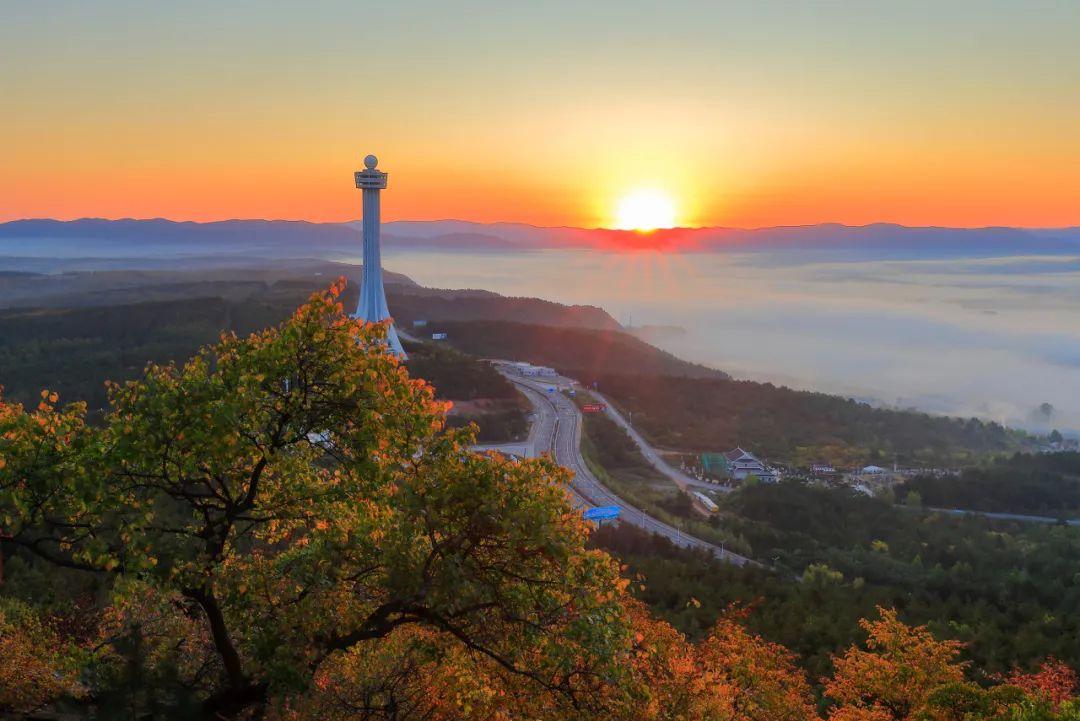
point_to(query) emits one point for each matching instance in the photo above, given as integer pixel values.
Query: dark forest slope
(580, 353)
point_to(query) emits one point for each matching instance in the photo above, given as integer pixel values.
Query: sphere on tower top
(370, 162)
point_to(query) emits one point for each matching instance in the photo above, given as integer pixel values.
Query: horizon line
(534, 226)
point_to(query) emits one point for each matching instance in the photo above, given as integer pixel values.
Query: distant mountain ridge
(95, 237)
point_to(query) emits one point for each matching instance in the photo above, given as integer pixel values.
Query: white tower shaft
(372, 306)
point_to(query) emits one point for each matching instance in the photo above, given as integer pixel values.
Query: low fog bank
(995, 338)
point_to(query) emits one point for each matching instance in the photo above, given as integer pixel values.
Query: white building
(528, 369)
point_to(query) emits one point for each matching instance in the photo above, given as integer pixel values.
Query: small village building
(529, 370)
(739, 464)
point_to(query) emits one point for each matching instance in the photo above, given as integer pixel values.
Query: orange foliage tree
(34, 665)
(1054, 682)
(286, 499)
(288, 530)
(895, 674)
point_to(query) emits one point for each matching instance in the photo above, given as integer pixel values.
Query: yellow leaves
(335, 289)
(762, 675)
(901, 666)
(33, 667)
(394, 482)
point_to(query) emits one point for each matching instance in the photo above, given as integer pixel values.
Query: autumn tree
(730, 675)
(1053, 682)
(285, 501)
(762, 677)
(34, 665)
(895, 674)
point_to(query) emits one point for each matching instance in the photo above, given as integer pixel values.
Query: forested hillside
(798, 427)
(685, 406)
(579, 353)
(1010, 590)
(1041, 484)
(435, 306)
(481, 394)
(229, 545)
(72, 349)
(238, 282)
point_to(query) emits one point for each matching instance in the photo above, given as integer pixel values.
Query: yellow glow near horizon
(558, 111)
(645, 210)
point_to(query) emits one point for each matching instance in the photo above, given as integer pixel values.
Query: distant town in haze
(562, 362)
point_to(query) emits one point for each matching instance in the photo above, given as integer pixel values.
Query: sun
(645, 210)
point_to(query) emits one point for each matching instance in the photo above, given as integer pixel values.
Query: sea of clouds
(989, 337)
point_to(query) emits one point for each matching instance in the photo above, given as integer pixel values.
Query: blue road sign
(601, 513)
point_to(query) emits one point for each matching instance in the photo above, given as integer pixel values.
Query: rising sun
(645, 210)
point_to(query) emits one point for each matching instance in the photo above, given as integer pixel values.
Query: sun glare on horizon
(645, 210)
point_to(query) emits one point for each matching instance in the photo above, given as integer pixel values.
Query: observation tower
(372, 307)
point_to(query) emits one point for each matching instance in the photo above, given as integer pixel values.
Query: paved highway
(541, 431)
(559, 424)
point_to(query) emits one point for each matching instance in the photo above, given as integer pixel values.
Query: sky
(745, 114)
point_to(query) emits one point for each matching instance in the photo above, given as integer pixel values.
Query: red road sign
(593, 408)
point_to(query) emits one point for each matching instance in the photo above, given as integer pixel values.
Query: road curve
(682, 480)
(565, 442)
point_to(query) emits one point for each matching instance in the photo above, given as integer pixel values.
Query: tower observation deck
(372, 307)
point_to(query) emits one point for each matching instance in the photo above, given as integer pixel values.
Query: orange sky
(746, 116)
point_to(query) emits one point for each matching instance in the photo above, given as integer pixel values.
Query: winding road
(558, 428)
(683, 480)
